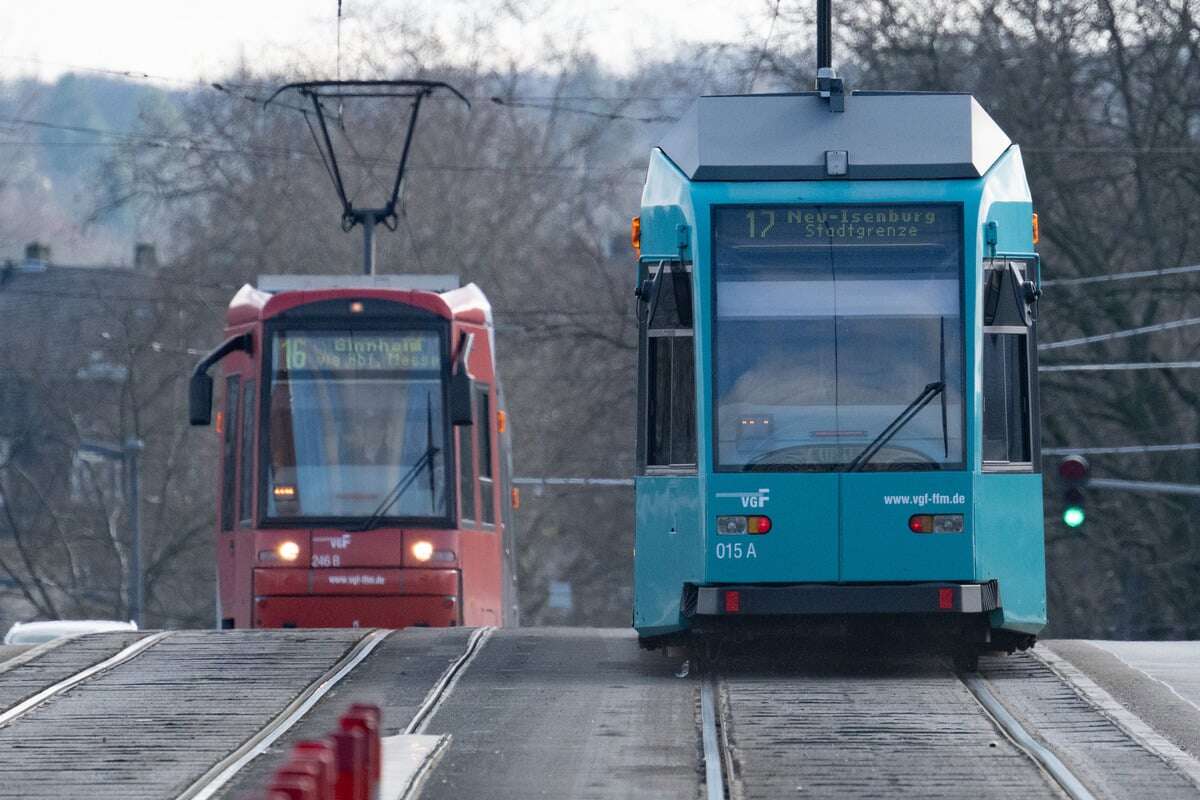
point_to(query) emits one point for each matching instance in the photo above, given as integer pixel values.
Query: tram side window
(466, 472)
(1006, 407)
(247, 488)
(671, 385)
(487, 496)
(229, 455)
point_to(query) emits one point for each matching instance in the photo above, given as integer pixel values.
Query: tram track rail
(710, 736)
(221, 773)
(66, 684)
(1045, 758)
(446, 683)
(723, 783)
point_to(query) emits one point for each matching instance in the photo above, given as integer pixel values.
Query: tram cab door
(236, 423)
(481, 527)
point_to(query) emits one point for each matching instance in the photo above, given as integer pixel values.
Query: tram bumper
(356, 597)
(732, 600)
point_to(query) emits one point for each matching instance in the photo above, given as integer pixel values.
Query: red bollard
(351, 750)
(322, 753)
(368, 719)
(294, 787)
(311, 769)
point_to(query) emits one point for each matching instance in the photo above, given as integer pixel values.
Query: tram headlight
(288, 551)
(422, 550)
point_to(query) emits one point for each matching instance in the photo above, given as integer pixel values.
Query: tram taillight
(732, 525)
(936, 523)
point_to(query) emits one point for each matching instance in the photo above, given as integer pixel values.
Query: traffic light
(1074, 473)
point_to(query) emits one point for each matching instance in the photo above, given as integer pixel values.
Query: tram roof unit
(439, 294)
(787, 137)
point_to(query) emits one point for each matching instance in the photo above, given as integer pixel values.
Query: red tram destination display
(365, 475)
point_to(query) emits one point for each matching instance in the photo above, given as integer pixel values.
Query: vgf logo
(757, 499)
(336, 542)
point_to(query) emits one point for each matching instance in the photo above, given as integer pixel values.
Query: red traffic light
(1074, 469)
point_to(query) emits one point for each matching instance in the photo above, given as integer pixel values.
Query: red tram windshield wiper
(927, 394)
(397, 491)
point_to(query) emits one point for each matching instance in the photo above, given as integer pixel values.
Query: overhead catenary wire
(1121, 276)
(1105, 337)
(1120, 367)
(1132, 449)
(188, 143)
(609, 115)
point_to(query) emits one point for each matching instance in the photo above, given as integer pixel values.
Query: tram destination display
(358, 351)
(776, 225)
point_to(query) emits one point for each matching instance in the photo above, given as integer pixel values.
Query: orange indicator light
(1036, 231)
(635, 234)
(284, 492)
(501, 421)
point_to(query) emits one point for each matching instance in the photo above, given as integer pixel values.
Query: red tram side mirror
(200, 395)
(200, 390)
(460, 398)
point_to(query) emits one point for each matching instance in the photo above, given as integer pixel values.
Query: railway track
(167, 715)
(827, 732)
(71, 681)
(183, 714)
(215, 778)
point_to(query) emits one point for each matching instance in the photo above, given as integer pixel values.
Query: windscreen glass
(356, 425)
(838, 337)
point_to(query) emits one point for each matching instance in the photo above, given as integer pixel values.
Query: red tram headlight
(288, 551)
(422, 550)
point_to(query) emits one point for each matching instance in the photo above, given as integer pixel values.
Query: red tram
(365, 467)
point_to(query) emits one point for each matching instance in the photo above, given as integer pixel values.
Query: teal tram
(838, 408)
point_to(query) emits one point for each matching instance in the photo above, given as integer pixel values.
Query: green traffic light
(1073, 516)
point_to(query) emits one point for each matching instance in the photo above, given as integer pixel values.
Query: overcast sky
(203, 39)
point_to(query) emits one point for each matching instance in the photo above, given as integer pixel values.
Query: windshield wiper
(410, 477)
(945, 420)
(397, 491)
(927, 394)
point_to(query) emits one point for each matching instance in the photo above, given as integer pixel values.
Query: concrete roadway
(566, 713)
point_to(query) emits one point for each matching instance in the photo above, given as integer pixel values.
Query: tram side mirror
(460, 398)
(200, 395)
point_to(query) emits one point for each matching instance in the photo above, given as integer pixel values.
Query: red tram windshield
(357, 426)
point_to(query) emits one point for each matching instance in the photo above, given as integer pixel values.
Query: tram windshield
(838, 338)
(356, 426)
